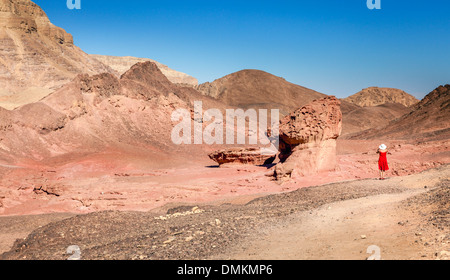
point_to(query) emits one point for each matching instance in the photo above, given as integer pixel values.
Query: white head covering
(383, 147)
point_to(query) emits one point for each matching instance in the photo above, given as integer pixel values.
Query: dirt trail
(346, 229)
(341, 230)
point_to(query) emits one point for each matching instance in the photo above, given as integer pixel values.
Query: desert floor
(240, 212)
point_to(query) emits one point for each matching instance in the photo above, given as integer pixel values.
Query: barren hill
(357, 119)
(259, 90)
(428, 119)
(36, 57)
(130, 116)
(122, 64)
(375, 96)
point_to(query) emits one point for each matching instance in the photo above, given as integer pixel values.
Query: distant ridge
(122, 64)
(357, 119)
(429, 119)
(374, 96)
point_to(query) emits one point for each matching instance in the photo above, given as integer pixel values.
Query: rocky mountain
(71, 104)
(375, 96)
(259, 90)
(357, 119)
(36, 57)
(428, 119)
(122, 64)
(93, 115)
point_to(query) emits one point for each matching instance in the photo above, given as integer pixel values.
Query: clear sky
(336, 47)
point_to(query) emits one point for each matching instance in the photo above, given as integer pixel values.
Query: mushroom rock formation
(308, 139)
(253, 156)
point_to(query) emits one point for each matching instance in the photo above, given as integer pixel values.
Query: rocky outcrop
(307, 142)
(102, 112)
(37, 57)
(252, 156)
(308, 139)
(123, 64)
(375, 96)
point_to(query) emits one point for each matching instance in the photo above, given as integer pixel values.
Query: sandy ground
(96, 184)
(353, 229)
(337, 231)
(31, 95)
(331, 230)
(404, 217)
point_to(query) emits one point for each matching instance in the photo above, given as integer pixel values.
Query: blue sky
(336, 47)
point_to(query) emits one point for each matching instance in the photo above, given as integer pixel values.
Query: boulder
(308, 139)
(251, 156)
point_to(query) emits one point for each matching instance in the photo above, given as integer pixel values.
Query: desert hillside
(429, 119)
(258, 89)
(36, 56)
(122, 64)
(94, 114)
(357, 119)
(375, 96)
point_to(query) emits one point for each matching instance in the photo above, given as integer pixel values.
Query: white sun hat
(383, 147)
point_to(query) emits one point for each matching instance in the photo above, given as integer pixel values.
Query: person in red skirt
(382, 162)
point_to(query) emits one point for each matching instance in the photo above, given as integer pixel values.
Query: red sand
(108, 182)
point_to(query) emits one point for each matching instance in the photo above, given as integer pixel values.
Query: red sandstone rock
(252, 156)
(308, 139)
